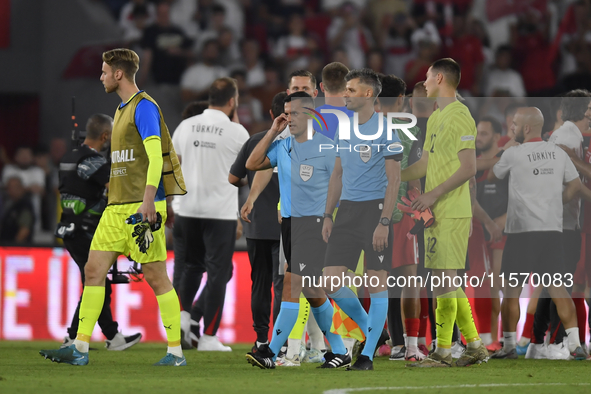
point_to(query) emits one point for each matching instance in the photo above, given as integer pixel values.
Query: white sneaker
(286, 362)
(208, 343)
(186, 342)
(413, 354)
(537, 351)
(457, 349)
(122, 342)
(558, 352)
(313, 356)
(67, 342)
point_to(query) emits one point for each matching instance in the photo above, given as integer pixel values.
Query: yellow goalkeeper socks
(170, 312)
(465, 320)
(445, 315)
(304, 312)
(93, 298)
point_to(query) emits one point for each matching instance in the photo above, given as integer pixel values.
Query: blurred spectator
(270, 88)
(478, 30)
(18, 216)
(229, 51)
(502, 80)
(217, 22)
(530, 41)
(347, 31)
(195, 108)
(24, 168)
(58, 147)
(183, 14)
(134, 17)
(293, 48)
(416, 69)
(255, 72)
(48, 200)
(577, 33)
(334, 5)
(166, 49)
(378, 11)
(394, 37)
(466, 49)
(274, 14)
(375, 60)
(235, 15)
(250, 110)
(197, 79)
(340, 55)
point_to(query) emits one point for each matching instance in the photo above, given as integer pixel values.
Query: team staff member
(262, 232)
(208, 145)
(449, 162)
(144, 171)
(304, 173)
(537, 172)
(492, 197)
(365, 179)
(84, 178)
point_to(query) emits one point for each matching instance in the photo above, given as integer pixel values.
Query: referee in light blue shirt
(304, 173)
(365, 179)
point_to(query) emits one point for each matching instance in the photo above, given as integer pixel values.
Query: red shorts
(405, 250)
(583, 271)
(478, 253)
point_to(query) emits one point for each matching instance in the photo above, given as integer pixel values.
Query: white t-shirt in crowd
(537, 172)
(200, 76)
(208, 145)
(505, 80)
(569, 135)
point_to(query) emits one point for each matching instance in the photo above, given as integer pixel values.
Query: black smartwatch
(500, 153)
(327, 216)
(385, 221)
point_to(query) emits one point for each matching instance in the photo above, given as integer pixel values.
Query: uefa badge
(365, 153)
(306, 172)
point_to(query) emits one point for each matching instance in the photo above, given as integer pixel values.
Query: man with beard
(207, 146)
(144, 172)
(84, 180)
(534, 223)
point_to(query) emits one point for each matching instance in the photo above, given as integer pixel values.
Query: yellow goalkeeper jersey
(449, 131)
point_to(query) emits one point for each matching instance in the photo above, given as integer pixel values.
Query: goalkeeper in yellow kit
(144, 171)
(448, 162)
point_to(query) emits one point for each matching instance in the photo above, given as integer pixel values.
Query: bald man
(534, 245)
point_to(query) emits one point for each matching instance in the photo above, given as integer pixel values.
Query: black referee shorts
(303, 245)
(353, 231)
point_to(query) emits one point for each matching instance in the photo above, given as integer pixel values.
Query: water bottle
(135, 219)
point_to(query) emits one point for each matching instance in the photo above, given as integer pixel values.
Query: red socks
(412, 327)
(579, 301)
(424, 315)
(529, 326)
(483, 312)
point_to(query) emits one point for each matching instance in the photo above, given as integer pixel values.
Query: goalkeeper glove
(423, 219)
(143, 233)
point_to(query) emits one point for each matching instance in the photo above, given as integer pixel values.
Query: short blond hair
(123, 59)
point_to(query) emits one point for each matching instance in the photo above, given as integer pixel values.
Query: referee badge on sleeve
(306, 172)
(365, 153)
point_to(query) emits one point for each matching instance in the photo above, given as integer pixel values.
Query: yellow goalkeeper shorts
(114, 235)
(446, 243)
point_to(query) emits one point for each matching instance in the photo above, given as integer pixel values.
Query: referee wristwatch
(385, 221)
(327, 216)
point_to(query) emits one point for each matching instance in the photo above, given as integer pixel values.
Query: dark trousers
(79, 246)
(395, 326)
(264, 262)
(546, 316)
(186, 278)
(209, 247)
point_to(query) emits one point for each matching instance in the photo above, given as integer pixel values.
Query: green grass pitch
(23, 370)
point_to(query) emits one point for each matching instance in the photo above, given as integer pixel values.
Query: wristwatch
(327, 216)
(385, 221)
